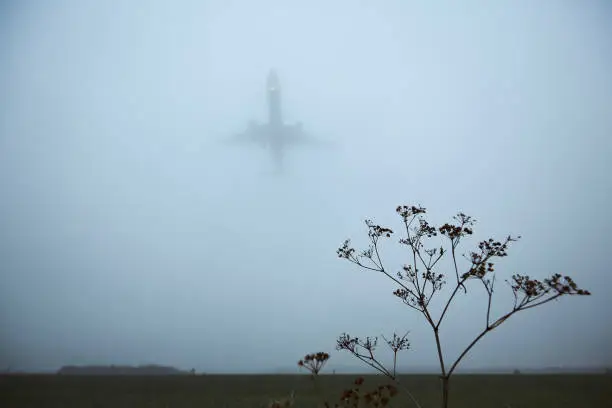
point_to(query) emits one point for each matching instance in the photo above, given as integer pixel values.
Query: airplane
(275, 134)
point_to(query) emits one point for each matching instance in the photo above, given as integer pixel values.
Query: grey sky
(129, 235)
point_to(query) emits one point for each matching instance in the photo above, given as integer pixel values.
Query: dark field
(219, 391)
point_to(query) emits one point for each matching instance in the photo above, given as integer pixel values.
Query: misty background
(129, 234)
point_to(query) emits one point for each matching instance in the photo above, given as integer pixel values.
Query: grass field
(242, 391)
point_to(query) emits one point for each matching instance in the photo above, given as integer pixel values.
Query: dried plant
(364, 351)
(314, 362)
(355, 397)
(419, 283)
(283, 402)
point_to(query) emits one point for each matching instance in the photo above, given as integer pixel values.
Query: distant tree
(516, 372)
(418, 283)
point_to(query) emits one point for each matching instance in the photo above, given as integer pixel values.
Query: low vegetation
(419, 281)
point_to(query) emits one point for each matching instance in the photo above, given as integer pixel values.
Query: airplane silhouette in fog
(274, 135)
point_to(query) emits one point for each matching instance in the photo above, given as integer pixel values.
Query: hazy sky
(130, 235)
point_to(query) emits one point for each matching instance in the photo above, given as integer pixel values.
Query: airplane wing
(261, 135)
(296, 135)
(255, 133)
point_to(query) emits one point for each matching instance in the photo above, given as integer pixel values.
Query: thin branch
(456, 268)
(450, 299)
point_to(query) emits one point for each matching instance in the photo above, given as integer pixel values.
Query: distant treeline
(121, 370)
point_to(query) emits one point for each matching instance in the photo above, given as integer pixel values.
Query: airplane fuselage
(275, 118)
(275, 115)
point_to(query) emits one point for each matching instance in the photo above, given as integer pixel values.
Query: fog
(130, 234)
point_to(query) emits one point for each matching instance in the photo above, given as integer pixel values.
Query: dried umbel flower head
(379, 397)
(314, 362)
(398, 343)
(406, 211)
